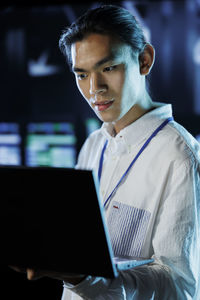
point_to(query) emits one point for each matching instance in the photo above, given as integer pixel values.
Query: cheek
(119, 83)
(83, 89)
(131, 85)
(116, 83)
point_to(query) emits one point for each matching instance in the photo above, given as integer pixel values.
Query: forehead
(95, 47)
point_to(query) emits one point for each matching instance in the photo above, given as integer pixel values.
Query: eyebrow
(98, 64)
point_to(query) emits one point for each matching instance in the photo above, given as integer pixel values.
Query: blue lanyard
(133, 161)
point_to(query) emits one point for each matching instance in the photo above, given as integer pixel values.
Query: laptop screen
(51, 218)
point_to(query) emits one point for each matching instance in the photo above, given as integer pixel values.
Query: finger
(30, 274)
(33, 274)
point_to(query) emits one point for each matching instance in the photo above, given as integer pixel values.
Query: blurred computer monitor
(10, 144)
(50, 144)
(91, 124)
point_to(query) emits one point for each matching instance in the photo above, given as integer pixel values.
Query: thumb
(33, 275)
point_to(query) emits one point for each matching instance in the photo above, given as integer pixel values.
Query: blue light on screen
(91, 125)
(50, 144)
(10, 142)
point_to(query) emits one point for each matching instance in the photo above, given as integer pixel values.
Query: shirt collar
(139, 130)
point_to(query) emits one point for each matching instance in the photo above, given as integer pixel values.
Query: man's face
(107, 76)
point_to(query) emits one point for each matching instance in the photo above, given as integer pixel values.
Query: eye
(109, 69)
(81, 76)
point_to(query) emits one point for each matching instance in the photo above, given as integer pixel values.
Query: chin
(106, 119)
(106, 116)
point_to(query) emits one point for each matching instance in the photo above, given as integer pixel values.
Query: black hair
(107, 19)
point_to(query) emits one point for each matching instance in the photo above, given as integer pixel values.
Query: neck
(136, 111)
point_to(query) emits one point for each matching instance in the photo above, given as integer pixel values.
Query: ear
(146, 59)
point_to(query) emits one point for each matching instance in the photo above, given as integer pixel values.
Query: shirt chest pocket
(127, 227)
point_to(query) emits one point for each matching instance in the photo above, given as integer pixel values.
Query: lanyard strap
(133, 161)
(101, 160)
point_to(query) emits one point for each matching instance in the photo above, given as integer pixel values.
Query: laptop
(53, 219)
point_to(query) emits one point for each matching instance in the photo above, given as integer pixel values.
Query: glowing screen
(10, 142)
(50, 144)
(91, 124)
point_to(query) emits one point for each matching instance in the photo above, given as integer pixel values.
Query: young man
(154, 212)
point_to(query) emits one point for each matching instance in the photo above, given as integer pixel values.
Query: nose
(97, 85)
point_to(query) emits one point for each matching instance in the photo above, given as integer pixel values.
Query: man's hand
(37, 274)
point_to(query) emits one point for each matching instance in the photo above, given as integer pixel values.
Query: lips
(103, 105)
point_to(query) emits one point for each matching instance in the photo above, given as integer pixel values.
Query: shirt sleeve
(176, 246)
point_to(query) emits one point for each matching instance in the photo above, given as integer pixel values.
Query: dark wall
(35, 79)
(36, 84)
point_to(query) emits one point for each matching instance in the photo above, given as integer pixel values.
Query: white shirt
(154, 213)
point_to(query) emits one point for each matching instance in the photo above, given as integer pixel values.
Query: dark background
(36, 84)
